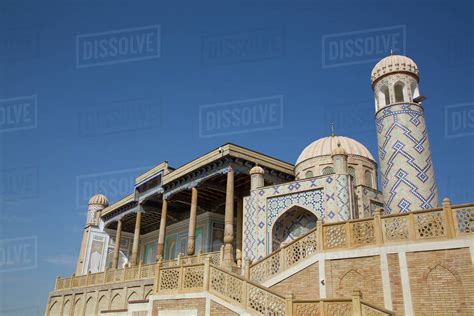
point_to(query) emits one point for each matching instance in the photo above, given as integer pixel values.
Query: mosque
(237, 232)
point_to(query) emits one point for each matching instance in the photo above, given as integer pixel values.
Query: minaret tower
(96, 204)
(406, 168)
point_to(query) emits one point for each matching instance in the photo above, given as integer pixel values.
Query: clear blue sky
(47, 167)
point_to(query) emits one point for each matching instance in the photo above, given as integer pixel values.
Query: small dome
(99, 199)
(393, 63)
(257, 170)
(325, 146)
(339, 150)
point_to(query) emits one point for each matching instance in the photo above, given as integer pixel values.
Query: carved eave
(217, 163)
(231, 150)
(116, 213)
(162, 168)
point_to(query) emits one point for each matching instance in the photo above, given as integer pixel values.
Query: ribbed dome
(99, 199)
(393, 63)
(257, 170)
(326, 146)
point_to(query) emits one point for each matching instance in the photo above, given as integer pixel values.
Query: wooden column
(117, 245)
(240, 211)
(229, 221)
(161, 238)
(192, 221)
(136, 237)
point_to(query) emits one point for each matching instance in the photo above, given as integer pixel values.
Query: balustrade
(434, 224)
(139, 272)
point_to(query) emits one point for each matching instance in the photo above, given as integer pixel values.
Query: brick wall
(441, 282)
(303, 284)
(179, 304)
(345, 275)
(219, 310)
(395, 284)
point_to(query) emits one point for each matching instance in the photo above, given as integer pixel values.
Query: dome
(393, 63)
(257, 170)
(325, 146)
(99, 199)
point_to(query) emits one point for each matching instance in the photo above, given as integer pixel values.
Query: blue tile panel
(406, 168)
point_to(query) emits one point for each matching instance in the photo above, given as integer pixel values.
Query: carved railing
(139, 272)
(285, 257)
(463, 217)
(228, 286)
(447, 222)
(338, 307)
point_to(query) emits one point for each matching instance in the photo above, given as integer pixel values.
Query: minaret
(96, 204)
(406, 168)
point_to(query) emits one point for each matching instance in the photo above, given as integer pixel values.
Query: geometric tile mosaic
(406, 168)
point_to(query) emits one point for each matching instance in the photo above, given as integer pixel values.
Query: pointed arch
(133, 296)
(383, 97)
(147, 295)
(78, 307)
(327, 171)
(415, 92)
(399, 90)
(291, 224)
(350, 281)
(67, 308)
(102, 305)
(368, 178)
(54, 309)
(451, 287)
(352, 172)
(90, 306)
(117, 302)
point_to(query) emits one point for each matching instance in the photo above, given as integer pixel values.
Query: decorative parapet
(139, 272)
(337, 307)
(221, 283)
(448, 222)
(285, 257)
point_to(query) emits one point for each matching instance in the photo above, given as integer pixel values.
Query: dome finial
(391, 51)
(332, 130)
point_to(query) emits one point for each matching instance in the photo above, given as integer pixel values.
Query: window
(308, 174)
(399, 87)
(327, 171)
(414, 90)
(368, 178)
(384, 97)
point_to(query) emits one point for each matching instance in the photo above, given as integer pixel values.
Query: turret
(256, 177)
(96, 204)
(406, 168)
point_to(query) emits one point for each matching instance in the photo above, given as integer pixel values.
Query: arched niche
(291, 224)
